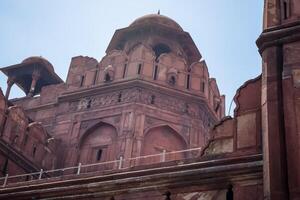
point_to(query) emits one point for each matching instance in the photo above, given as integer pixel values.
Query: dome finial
(158, 12)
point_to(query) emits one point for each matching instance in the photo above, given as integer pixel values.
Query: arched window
(124, 70)
(203, 86)
(168, 195)
(285, 9)
(33, 151)
(172, 80)
(155, 72)
(139, 69)
(81, 81)
(99, 154)
(95, 76)
(152, 99)
(188, 81)
(107, 77)
(120, 97)
(89, 103)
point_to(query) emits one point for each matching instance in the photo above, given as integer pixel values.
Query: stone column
(274, 148)
(35, 78)
(10, 83)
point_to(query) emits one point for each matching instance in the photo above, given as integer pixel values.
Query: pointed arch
(145, 49)
(162, 138)
(92, 128)
(101, 137)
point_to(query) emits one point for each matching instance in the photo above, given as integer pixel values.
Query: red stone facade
(151, 94)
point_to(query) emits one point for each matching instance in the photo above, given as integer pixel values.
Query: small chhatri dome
(157, 19)
(41, 60)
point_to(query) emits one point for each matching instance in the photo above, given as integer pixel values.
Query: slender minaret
(279, 45)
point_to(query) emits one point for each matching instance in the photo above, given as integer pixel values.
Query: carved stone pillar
(10, 83)
(35, 77)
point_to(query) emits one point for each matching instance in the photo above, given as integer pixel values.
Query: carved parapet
(142, 96)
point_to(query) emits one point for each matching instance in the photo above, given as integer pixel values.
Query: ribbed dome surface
(157, 19)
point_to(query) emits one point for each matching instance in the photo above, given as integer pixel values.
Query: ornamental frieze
(155, 99)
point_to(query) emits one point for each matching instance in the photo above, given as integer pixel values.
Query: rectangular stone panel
(148, 69)
(195, 83)
(181, 79)
(246, 130)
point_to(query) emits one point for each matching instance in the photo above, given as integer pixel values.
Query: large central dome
(157, 19)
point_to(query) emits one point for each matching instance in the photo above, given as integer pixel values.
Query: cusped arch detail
(137, 45)
(114, 53)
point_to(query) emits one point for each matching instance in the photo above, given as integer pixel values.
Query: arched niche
(98, 144)
(162, 139)
(116, 58)
(140, 54)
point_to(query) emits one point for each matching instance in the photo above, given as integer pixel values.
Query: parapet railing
(119, 164)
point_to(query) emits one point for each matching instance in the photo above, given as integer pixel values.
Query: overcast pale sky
(224, 32)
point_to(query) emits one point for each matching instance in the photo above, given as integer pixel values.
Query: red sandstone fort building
(148, 121)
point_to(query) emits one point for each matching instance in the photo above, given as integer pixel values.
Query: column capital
(36, 74)
(10, 81)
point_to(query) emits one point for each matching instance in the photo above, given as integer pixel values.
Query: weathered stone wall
(25, 141)
(242, 134)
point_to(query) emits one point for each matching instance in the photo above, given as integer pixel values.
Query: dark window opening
(152, 100)
(155, 72)
(99, 154)
(89, 102)
(120, 97)
(168, 195)
(160, 49)
(139, 68)
(188, 81)
(124, 71)
(229, 193)
(172, 80)
(95, 77)
(186, 107)
(81, 81)
(285, 10)
(203, 87)
(107, 77)
(5, 167)
(217, 107)
(25, 139)
(34, 151)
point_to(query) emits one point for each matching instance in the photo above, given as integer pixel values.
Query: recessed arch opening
(160, 49)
